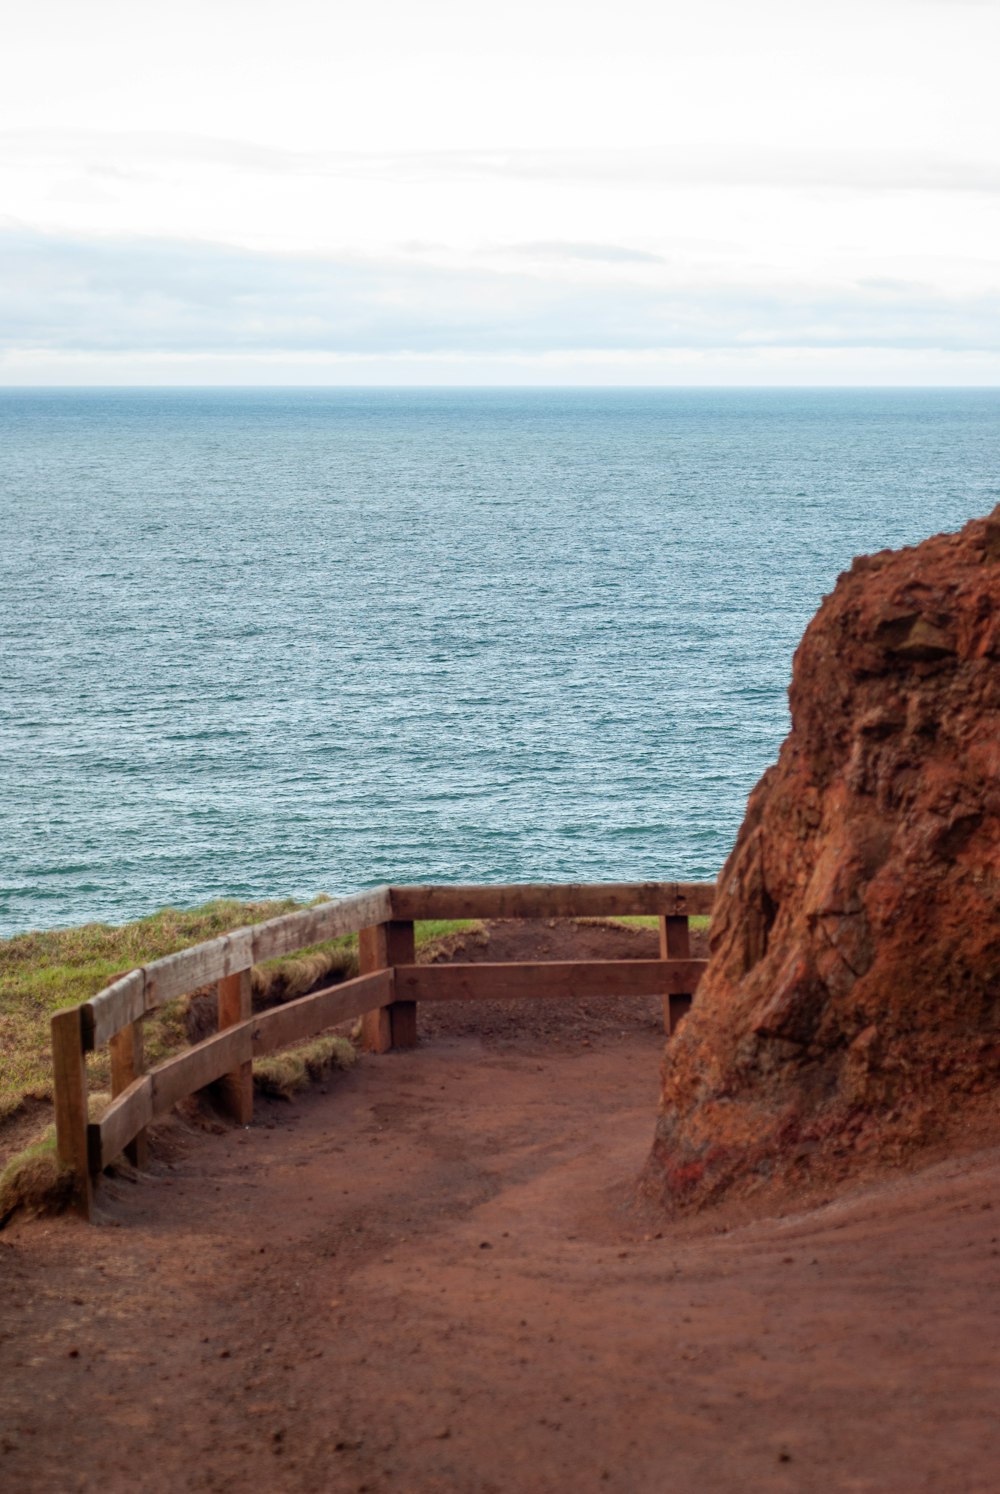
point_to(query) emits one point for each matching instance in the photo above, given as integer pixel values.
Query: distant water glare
(270, 642)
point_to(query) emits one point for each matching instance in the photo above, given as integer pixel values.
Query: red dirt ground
(430, 1278)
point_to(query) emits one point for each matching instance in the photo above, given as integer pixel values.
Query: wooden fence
(385, 995)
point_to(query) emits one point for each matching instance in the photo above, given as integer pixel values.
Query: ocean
(282, 642)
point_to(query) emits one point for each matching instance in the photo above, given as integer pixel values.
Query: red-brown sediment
(851, 1007)
(429, 1281)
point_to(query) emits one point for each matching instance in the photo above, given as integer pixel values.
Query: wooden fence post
(403, 1014)
(127, 1063)
(69, 1072)
(380, 948)
(675, 944)
(236, 1087)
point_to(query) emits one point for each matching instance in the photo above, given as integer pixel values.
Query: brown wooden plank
(126, 1066)
(234, 997)
(402, 950)
(373, 948)
(376, 1030)
(675, 944)
(199, 1066)
(309, 1015)
(236, 1088)
(280, 936)
(373, 955)
(675, 939)
(382, 947)
(125, 1119)
(285, 935)
(403, 1024)
(201, 965)
(401, 944)
(69, 1074)
(115, 1007)
(177, 974)
(545, 978)
(238, 953)
(350, 914)
(546, 900)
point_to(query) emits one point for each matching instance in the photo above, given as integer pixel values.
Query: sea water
(278, 642)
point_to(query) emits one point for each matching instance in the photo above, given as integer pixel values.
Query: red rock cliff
(852, 1000)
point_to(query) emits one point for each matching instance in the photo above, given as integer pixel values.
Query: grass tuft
(293, 1070)
(291, 976)
(33, 1181)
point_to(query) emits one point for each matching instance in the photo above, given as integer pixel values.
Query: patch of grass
(285, 1074)
(290, 976)
(33, 1180)
(40, 973)
(43, 972)
(697, 921)
(437, 928)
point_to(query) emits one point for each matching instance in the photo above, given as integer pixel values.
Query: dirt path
(427, 1279)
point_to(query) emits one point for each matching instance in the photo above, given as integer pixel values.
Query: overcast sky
(540, 191)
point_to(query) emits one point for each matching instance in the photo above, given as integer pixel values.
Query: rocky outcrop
(851, 1005)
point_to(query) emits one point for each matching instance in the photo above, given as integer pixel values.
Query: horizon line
(473, 387)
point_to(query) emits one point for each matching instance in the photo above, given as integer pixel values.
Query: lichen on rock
(852, 998)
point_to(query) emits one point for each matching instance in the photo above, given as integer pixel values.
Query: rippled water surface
(282, 642)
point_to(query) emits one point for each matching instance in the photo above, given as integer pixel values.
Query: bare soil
(432, 1275)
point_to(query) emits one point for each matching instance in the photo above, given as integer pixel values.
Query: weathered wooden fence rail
(385, 995)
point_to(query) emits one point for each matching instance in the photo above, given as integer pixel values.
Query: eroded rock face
(852, 1000)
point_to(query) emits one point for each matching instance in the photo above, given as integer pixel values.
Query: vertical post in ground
(236, 1088)
(675, 944)
(127, 1063)
(380, 948)
(402, 1014)
(69, 1070)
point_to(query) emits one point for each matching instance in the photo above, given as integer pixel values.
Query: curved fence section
(385, 995)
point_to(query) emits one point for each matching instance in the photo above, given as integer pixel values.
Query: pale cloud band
(571, 190)
(114, 299)
(158, 155)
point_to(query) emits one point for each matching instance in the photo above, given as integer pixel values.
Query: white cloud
(75, 295)
(557, 180)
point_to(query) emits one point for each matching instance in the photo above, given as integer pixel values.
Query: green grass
(40, 973)
(438, 928)
(696, 920)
